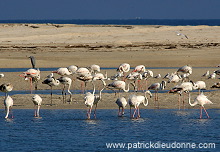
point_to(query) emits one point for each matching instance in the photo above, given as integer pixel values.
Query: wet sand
(108, 46)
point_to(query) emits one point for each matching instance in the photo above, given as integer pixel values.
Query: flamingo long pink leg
(206, 112)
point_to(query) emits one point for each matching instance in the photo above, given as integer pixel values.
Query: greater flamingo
(8, 102)
(119, 85)
(124, 68)
(37, 100)
(185, 69)
(146, 75)
(121, 102)
(72, 69)
(199, 85)
(2, 75)
(62, 71)
(33, 75)
(184, 87)
(135, 101)
(94, 68)
(51, 82)
(139, 68)
(216, 85)
(206, 74)
(135, 76)
(66, 81)
(201, 100)
(156, 87)
(6, 87)
(92, 99)
(212, 76)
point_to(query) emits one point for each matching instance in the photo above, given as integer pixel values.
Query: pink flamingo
(37, 100)
(201, 100)
(8, 102)
(119, 85)
(121, 102)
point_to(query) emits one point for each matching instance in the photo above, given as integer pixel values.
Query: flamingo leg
(95, 111)
(200, 112)
(51, 93)
(130, 112)
(179, 101)
(31, 84)
(123, 111)
(206, 112)
(138, 113)
(135, 110)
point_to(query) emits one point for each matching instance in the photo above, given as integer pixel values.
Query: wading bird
(51, 81)
(180, 34)
(66, 81)
(121, 102)
(62, 71)
(156, 87)
(6, 87)
(8, 102)
(201, 100)
(216, 85)
(37, 100)
(119, 85)
(124, 68)
(135, 101)
(33, 75)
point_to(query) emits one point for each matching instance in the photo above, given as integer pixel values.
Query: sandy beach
(56, 45)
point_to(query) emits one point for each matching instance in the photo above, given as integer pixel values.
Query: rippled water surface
(68, 130)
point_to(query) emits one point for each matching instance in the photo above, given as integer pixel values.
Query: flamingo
(92, 99)
(216, 85)
(37, 100)
(199, 85)
(139, 68)
(158, 76)
(201, 100)
(184, 87)
(212, 76)
(157, 87)
(135, 101)
(72, 69)
(146, 75)
(124, 68)
(84, 75)
(2, 75)
(119, 85)
(206, 74)
(185, 69)
(51, 81)
(66, 81)
(217, 72)
(6, 87)
(62, 71)
(94, 68)
(121, 102)
(8, 102)
(33, 75)
(174, 78)
(134, 76)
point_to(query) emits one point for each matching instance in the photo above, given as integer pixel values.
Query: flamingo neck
(126, 90)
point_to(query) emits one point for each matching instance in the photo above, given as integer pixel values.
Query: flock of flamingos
(120, 81)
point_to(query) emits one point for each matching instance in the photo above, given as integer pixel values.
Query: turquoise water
(68, 130)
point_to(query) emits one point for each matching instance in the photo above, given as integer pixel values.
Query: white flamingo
(119, 85)
(72, 69)
(185, 69)
(139, 68)
(199, 85)
(62, 71)
(157, 87)
(51, 82)
(135, 101)
(95, 68)
(37, 100)
(8, 102)
(2, 75)
(124, 68)
(92, 99)
(201, 100)
(6, 87)
(66, 81)
(212, 76)
(146, 75)
(121, 102)
(33, 75)
(136, 78)
(216, 85)
(184, 87)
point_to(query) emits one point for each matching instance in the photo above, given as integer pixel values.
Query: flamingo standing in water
(135, 101)
(37, 100)
(51, 81)
(121, 102)
(201, 100)
(6, 87)
(8, 102)
(66, 81)
(119, 85)
(157, 87)
(92, 99)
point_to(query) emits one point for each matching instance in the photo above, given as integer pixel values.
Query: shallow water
(68, 130)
